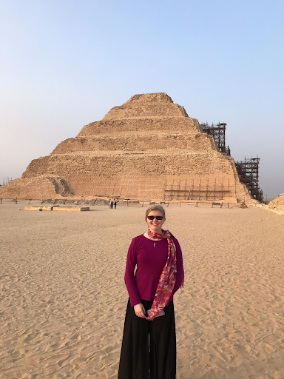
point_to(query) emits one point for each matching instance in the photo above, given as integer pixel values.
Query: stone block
(33, 208)
(71, 209)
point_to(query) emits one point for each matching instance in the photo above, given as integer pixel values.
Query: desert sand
(63, 297)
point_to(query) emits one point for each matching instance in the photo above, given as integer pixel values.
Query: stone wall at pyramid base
(163, 188)
(162, 175)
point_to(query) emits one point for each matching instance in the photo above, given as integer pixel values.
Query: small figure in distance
(156, 255)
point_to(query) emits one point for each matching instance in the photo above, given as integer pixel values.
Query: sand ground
(63, 299)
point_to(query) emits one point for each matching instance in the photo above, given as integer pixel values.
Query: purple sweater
(150, 258)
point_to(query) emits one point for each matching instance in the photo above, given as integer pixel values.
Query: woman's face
(155, 225)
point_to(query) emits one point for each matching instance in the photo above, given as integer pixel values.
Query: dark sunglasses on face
(155, 217)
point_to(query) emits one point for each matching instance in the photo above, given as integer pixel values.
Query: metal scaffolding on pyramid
(218, 132)
(248, 170)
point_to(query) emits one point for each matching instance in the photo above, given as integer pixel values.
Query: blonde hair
(155, 207)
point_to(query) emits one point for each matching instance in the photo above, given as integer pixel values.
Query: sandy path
(63, 300)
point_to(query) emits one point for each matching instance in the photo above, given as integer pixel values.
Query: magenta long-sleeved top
(150, 258)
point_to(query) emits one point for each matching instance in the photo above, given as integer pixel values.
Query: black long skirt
(135, 359)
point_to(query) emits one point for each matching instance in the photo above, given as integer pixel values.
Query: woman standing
(157, 257)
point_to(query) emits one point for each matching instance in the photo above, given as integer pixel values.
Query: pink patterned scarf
(168, 276)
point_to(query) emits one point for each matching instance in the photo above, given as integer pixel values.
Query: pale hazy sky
(64, 64)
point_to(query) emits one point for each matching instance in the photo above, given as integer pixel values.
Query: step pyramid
(147, 148)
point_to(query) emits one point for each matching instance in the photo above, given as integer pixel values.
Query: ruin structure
(277, 203)
(147, 148)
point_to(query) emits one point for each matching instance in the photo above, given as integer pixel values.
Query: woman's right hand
(139, 310)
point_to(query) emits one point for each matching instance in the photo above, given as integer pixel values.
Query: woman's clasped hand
(140, 310)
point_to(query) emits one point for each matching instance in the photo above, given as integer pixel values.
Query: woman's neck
(156, 231)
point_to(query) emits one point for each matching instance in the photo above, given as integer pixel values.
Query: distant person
(111, 204)
(157, 257)
(114, 203)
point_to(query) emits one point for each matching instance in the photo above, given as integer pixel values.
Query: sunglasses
(155, 217)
